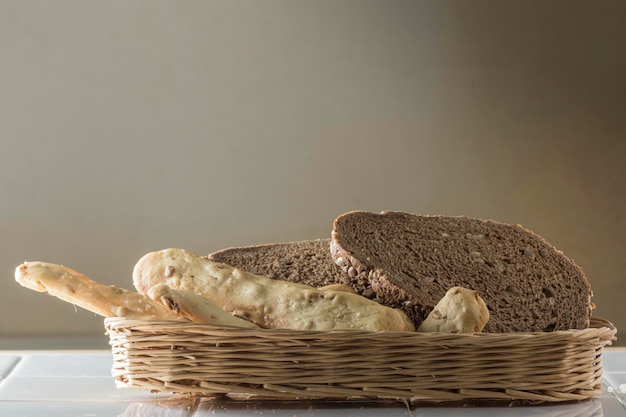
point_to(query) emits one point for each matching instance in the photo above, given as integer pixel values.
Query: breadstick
(266, 302)
(459, 311)
(194, 307)
(337, 287)
(73, 287)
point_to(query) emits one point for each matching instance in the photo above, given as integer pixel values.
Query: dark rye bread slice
(305, 262)
(411, 260)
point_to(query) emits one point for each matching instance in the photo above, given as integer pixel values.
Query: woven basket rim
(597, 324)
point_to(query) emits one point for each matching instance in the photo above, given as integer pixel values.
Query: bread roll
(267, 303)
(460, 311)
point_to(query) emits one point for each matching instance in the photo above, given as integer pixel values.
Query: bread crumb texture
(410, 261)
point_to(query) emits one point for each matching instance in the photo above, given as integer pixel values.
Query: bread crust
(194, 307)
(73, 287)
(266, 302)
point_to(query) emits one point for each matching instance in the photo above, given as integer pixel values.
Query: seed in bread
(194, 307)
(76, 288)
(267, 303)
(460, 311)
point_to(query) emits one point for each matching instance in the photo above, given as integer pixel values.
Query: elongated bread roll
(266, 302)
(194, 307)
(73, 287)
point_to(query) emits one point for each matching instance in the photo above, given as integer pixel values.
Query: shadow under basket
(184, 357)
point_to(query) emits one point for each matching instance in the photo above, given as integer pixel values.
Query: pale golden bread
(266, 302)
(194, 307)
(76, 288)
(460, 311)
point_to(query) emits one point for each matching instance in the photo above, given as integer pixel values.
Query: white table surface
(79, 383)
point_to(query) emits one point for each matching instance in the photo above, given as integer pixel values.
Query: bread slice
(411, 260)
(304, 262)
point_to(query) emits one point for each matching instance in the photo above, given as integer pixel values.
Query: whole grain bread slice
(304, 262)
(411, 260)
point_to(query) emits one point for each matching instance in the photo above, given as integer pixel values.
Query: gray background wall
(132, 126)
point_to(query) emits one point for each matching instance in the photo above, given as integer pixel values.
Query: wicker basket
(181, 357)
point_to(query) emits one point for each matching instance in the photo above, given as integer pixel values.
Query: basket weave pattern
(180, 357)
